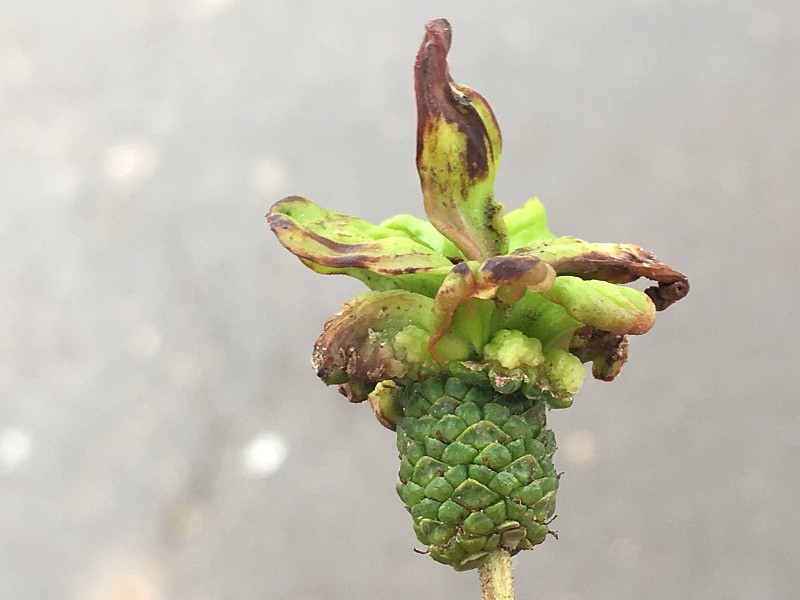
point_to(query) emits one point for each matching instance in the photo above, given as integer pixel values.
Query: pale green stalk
(497, 577)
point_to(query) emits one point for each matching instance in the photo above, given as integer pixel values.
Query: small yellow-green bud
(411, 345)
(512, 349)
(566, 370)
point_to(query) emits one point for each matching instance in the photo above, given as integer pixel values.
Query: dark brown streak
(461, 269)
(436, 98)
(508, 269)
(490, 210)
(629, 266)
(281, 222)
(348, 257)
(617, 269)
(357, 261)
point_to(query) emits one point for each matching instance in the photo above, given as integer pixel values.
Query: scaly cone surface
(475, 324)
(476, 469)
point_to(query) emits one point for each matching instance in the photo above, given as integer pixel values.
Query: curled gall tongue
(458, 150)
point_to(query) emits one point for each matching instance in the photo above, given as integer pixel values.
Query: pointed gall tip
(431, 63)
(438, 33)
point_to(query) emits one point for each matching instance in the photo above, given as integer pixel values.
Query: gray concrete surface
(162, 436)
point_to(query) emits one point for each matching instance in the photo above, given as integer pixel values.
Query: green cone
(476, 469)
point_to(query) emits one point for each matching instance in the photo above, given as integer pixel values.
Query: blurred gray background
(162, 435)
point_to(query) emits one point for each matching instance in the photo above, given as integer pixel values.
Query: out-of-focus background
(162, 435)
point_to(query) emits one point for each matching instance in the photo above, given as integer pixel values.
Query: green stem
(497, 578)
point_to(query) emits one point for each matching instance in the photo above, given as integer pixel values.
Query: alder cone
(476, 469)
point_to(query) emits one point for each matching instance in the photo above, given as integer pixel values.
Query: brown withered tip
(607, 351)
(439, 33)
(666, 294)
(431, 74)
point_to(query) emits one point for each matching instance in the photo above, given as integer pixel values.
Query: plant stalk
(497, 577)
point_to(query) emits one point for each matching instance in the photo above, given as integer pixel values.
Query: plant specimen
(476, 323)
